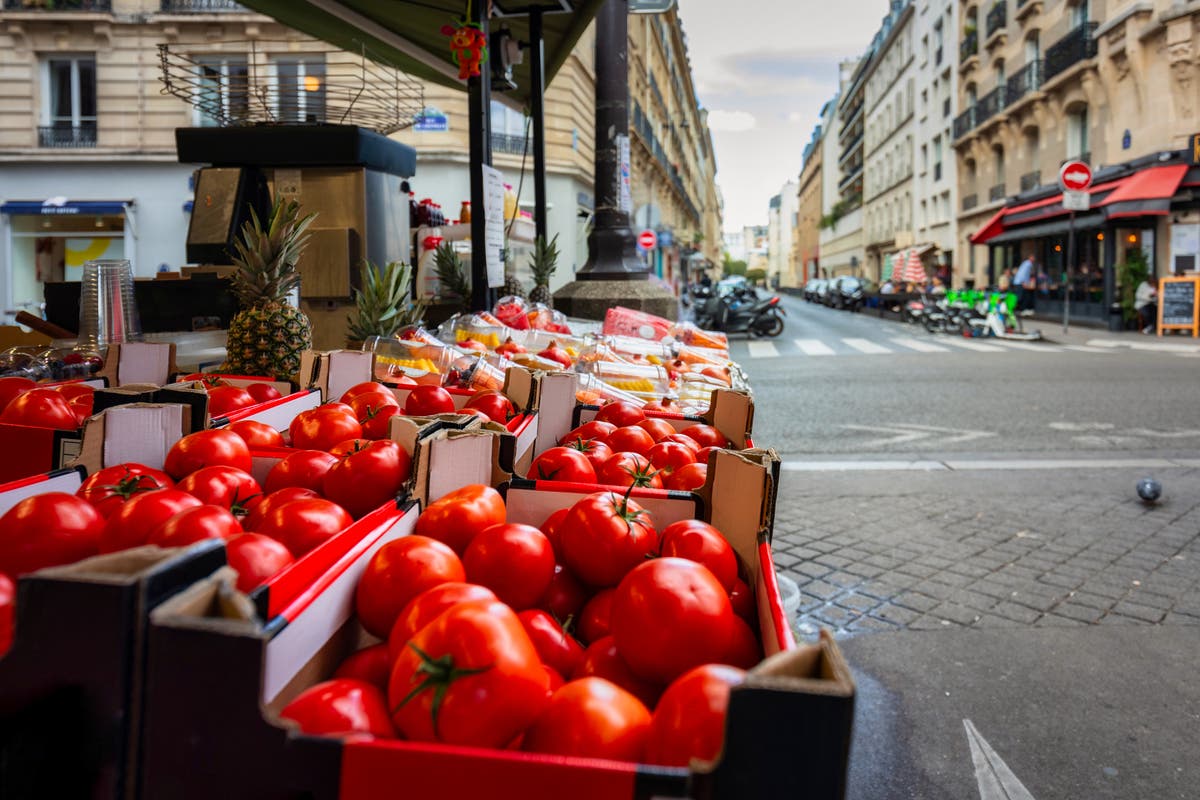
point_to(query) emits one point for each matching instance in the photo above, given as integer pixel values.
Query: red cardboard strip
(62, 480)
(277, 413)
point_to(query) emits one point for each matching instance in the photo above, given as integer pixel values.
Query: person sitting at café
(888, 287)
(1145, 300)
(938, 286)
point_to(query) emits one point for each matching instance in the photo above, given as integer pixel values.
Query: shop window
(224, 92)
(300, 89)
(68, 102)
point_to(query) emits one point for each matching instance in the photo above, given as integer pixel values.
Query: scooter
(741, 311)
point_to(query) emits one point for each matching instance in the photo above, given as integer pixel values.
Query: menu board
(1177, 306)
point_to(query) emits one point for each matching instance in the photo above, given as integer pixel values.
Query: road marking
(866, 346)
(918, 345)
(1062, 463)
(904, 464)
(1081, 426)
(1037, 348)
(814, 347)
(1163, 347)
(1082, 348)
(910, 432)
(996, 781)
(762, 350)
(976, 346)
(863, 466)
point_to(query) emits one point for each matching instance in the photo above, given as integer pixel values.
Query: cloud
(734, 121)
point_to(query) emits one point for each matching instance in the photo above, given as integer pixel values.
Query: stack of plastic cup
(107, 310)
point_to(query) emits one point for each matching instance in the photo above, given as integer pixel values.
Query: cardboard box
(335, 371)
(63, 480)
(139, 363)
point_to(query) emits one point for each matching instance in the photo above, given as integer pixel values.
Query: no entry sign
(1075, 176)
(647, 240)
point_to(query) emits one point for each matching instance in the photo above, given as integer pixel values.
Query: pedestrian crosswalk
(902, 345)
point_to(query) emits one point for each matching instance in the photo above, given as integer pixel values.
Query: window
(1079, 14)
(937, 35)
(68, 102)
(937, 158)
(998, 154)
(300, 89)
(223, 90)
(1077, 132)
(1033, 50)
(971, 98)
(924, 158)
(1000, 73)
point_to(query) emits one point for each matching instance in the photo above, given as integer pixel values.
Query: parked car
(824, 292)
(811, 289)
(851, 293)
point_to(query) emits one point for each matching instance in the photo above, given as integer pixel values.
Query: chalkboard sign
(1177, 305)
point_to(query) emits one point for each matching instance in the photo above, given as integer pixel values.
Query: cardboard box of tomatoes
(221, 670)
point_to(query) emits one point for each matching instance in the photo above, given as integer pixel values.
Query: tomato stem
(439, 673)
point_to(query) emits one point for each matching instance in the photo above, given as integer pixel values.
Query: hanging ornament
(468, 44)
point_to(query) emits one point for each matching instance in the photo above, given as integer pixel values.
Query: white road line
(978, 347)
(762, 350)
(917, 465)
(866, 346)
(918, 345)
(1083, 348)
(994, 778)
(1037, 348)
(814, 347)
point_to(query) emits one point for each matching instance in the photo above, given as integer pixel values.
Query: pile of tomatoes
(595, 635)
(225, 398)
(624, 447)
(61, 407)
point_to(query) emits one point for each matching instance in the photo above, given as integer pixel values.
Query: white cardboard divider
(555, 405)
(141, 433)
(280, 416)
(531, 507)
(67, 481)
(144, 362)
(459, 461)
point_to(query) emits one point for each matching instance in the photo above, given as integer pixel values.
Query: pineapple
(382, 304)
(545, 261)
(267, 336)
(512, 285)
(452, 276)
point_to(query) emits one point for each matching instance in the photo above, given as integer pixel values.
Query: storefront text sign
(493, 213)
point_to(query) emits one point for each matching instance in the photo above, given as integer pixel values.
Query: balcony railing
(964, 122)
(1076, 46)
(849, 148)
(850, 177)
(200, 6)
(58, 5)
(505, 143)
(996, 192)
(66, 136)
(1031, 180)
(997, 18)
(970, 201)
(968, 47)
(992, 103)
(1027, 79)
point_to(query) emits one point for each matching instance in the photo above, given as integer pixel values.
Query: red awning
(1148, 191)
(993, 227)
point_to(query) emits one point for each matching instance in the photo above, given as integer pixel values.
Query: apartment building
(934, 189)
(781, 218)
(841, 238)
(806, 238)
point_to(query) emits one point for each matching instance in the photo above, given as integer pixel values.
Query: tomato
(424, 401)
(700, 542)
(688, 478)
(256, 558)
(514, 561)
(590, 430)
(460, 515)
(302, 525)
(555, 647)
(550, 527)
(562, 464)
(498, 407)
(565, 596)
(591, 718)
(216, 448)
(13, 387)
(257, 434)
(110, 488)
(658, 429)
(630, 439)
(703, 453)
(398, 572)
(366, 387)
(8, 600)
(742, 598)
(323, 427)
(744, 650)
(670, 615)
(229, 488)
(556, 353)
(305, 469)
(679, 438)
(339, 707)
(596, 617)
(262, 509)
(262, 392)
(132, 523)
(194, 525)
(470, 677)
(40, 408)
(689, 721)
(375, 411)
(364, 480)
(604, 536)
(630, 469)
(597, 452)
(361, 402)
(371, 664)
(80, 397)
(473, 412)
(670, 456)
(620, 413)
(602, 660)
(428, 606)
(556, 683)
(706, 435)
(224, 399)
(47, 530)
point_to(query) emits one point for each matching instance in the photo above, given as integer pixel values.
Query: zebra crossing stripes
(814, 347)
(866, 346)
(978, 347)
(762, 350)
(918, 345)
(1037, 348)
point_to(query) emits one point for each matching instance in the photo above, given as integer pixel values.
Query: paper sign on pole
(493, 212)
(1076, 201)
(624, 193)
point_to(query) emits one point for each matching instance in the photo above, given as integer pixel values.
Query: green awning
(407, 33)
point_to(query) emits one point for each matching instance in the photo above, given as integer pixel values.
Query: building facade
(781, 220)
(841, 239)
(806, 238)
(934, 184)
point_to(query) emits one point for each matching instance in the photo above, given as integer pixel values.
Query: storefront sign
(1178, 307)
(431, 120)
(493, 213)
(1076, 201)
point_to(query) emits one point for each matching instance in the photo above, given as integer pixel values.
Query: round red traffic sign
(647, 240)
(1075, 176)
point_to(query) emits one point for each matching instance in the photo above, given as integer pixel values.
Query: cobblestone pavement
(875, 551)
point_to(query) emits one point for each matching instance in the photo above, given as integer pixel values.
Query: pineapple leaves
(266, 258)
(382, 304)
(452, 275)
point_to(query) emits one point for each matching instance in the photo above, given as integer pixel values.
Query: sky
(763, 69)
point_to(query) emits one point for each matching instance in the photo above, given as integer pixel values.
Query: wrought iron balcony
(66, 136)
(1027, 79)
(58, 5)
(964, 122)
(996, 192)
(201, 6)
(992, 103)
(968, 47)
(1031, 180)
(970, 201)
(1076, 46)
(997, 18)
(504, 143)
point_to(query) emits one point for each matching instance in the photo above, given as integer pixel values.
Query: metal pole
(1067, 272)
(479, 111)
(537, 91)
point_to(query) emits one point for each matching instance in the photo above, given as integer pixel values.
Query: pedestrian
(938, 286)
(1004, 282)
(1026, 283)
(1145, 300)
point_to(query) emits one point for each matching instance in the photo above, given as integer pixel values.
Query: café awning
(53, 208)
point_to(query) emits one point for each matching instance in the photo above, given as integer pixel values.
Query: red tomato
(744, 650)
(470, 677)
(375, 412)
(597, 452)
(602, 660)
(498, 407)
(670, 615)
(323, 427)
(262, 392)
(47, 530)
(565, 596)
(302, 525)
(591, 718)
(257, 434)
(689, 721)
(398, 572)
(562, 464)
(596, 617)
(590, 430)
(555, 647)
(604, 536)
(132, 523)
(424, 401)
(428, 606)
(556, 683)
(40, 408)
(670, 456)
(231, 489)
(703, 453)
(305, 469)
(256, 558)
(80, 397)
(364, 480)
(686, 441)
(630, 439)
(629, 469)
(225, 399)
(11, 388)
(706, 435)
(742, 598)
(688, 478)
(216, 448)
(366, 387)
(339, 707)
(371, 664)
(473, 412)
(657, 428)
(620, 413)
(110, 488)
(550, 527)
(361, 402)
(700, 542)
(514, 561)
(261, 510)
(8, 600)
(460, 515)
(194, 525)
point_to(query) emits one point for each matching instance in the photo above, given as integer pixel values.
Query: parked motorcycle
(739, 310)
